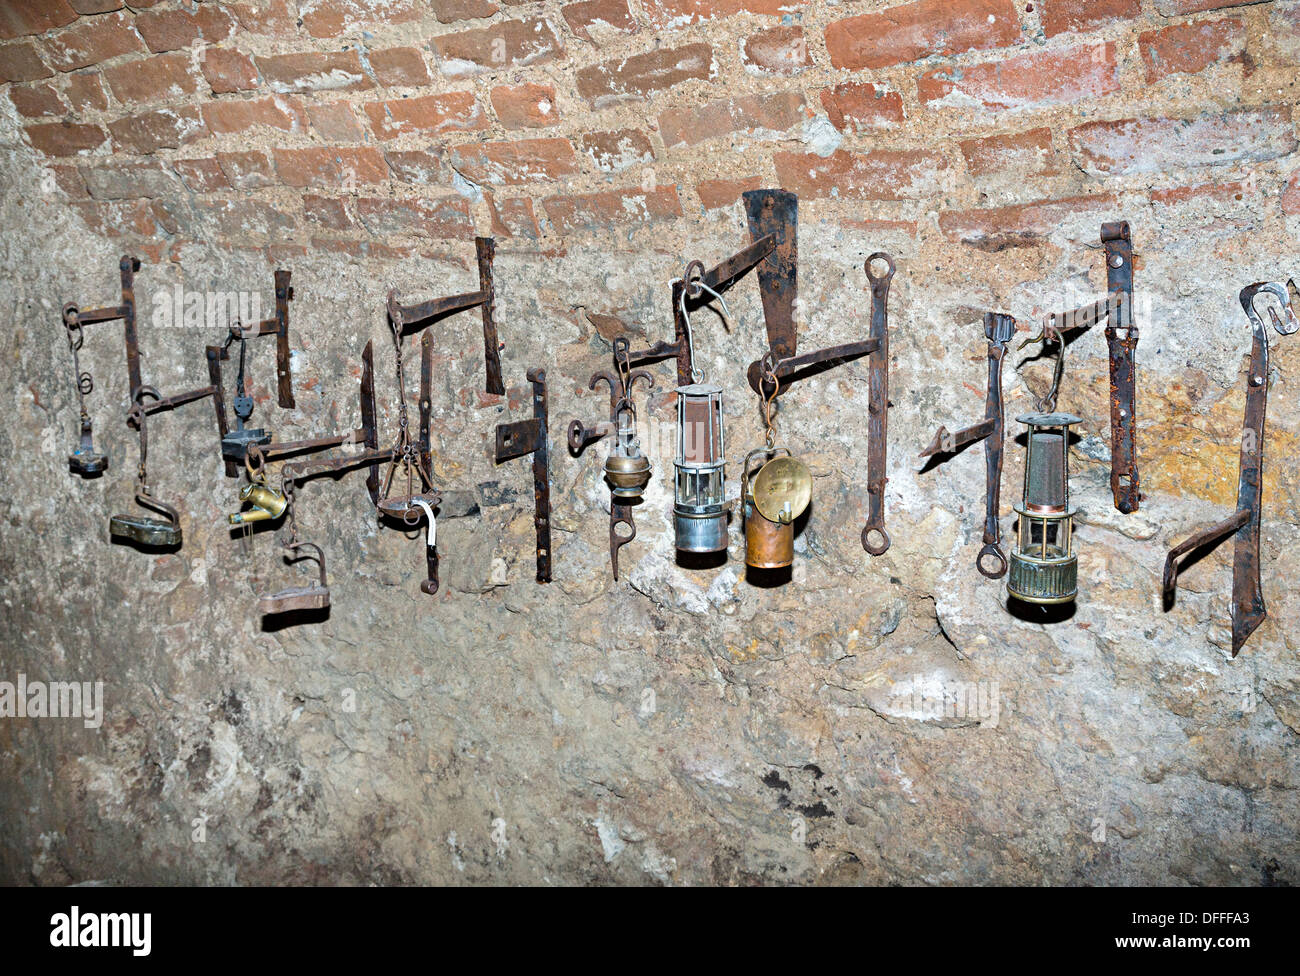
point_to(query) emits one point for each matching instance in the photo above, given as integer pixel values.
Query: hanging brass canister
(774, 496)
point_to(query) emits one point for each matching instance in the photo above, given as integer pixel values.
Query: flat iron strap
(516, 439)
(875, 540)
(1121, 340)
(999, 329)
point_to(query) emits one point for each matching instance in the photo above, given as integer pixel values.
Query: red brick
(130, 180)
(168, 128)
(916, 30)
(1060, 16)
(327, 212)
(91, 42)
(450, 11)
(20, 62)
(1219, 193)
(160, 78)
(613, 151)
(778, 51)
(36, 101)
(885, 174)
(680, 13)
(313, 71)
(399, 67)
(64, 138)
(331, 167)
(171, 30)
(21, 17)
(511, 43)
(587, 211)
(525, 106)
(1189, 48)
(516, 162)
(1175, 8)
(445, 219)
(119, 218)
(247, 170)
(861, 105)
(265, 16)
(723, 193)
(514, 217)
(425, 115)
(1291, 196)
(89, 7)
(85, 92)
(241, 218)
(240, 114)
(1021, 154)
(330, 18)
(599, 15)
(419, 167)
(644, 74)
(68, 180)
(1023, 225)
(336, 122)
(1031, 80)
(228, 71)
(746, 113)
(1153, 145)
(202, 175)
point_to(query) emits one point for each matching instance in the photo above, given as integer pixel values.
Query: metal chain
(769, 400)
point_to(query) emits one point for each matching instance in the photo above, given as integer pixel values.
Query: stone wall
(678, 726)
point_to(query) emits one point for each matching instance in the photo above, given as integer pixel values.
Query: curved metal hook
(1284, 326)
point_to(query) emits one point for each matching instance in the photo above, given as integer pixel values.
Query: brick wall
(349, 126)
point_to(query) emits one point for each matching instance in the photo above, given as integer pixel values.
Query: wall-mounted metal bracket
(703, 289)
(1248, 610)
(423, 314)
(74, 319)
(1122, 340)
(278, 327)
(529, 437)
(992, 430)
(367, 435)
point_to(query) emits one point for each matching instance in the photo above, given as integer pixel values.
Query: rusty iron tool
(1248, 609)
(622, 382)
(703, 288)
(234, 442)
(775, 214)
(529, 437)
(74, 318)
(425, 313)
(367, 435)
(999, 330)
(1122, 340)
(875, 539)
(277, 326)
(297, 598)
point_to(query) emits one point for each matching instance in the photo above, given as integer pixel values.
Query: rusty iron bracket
(278, 327)
(878, 407)
(366, 435)
(998, 329)
(74, 319)
(716, 281)
(775, 214)
(622, 383)
(529, 437)
(423, 314)
(1248, 609)
(1122, 339)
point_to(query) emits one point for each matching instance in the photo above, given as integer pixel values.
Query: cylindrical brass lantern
(700, 490)
(626, 469)
(1044, 568)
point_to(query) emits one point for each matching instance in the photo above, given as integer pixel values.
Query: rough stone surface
(679, 726)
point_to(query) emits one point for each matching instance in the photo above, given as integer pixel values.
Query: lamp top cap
(699, 389)
(1048, 419)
